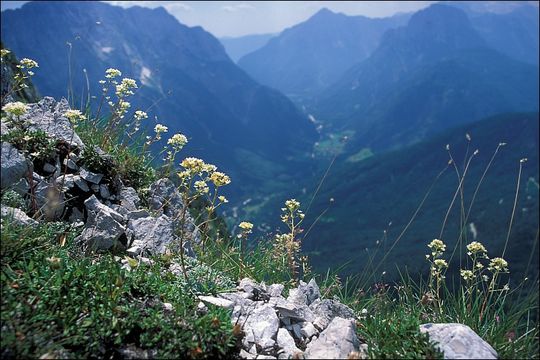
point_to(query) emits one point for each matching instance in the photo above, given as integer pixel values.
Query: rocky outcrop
(17, 216)
(48, 115)
(64, 187)
(279, 327)
(104, 229)
(14, 166)
(458, 341)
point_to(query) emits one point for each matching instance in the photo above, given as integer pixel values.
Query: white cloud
(178, 6)
(237, 7)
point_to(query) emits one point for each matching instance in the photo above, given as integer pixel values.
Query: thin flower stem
(514, 207)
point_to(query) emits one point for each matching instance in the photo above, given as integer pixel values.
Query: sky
(238, 18)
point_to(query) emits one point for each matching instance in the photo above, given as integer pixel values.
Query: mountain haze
(237, 47)
(435, 73)
(311, 55)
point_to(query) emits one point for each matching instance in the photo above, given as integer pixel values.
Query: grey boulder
(103, 229)
(17, 216)
(14, 165)
(129, 198)
(48, 115)
(262, 325)
(326, 310)
(165, 199)
(337, 341)
(155, 236)
(458, 341)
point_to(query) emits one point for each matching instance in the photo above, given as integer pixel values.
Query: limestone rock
(154, 235)
(337, 341)
(286, 342)
(275, 290)
(17, 216)
(458, 341)
(224, 303)
(48, 115)
(90, 176)
(264, 324)
(103, 229)
(14, 166)
(50, 200)
(326, 310)
(165, 199)
(251, 288)
(129, 198)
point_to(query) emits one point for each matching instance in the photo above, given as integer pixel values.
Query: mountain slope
(511, 27)
(185, 76)
(237, 47)
(311, 55)
(433, 74)
(369, 194)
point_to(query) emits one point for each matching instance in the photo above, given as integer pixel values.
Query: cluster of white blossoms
(125, 88)
(16, 108)
(220, 179)
(177, 141)
(160, 129)
(292, 205)
(74, 116)
(140, 115)
(201, 187)
(4, 52)
(467, 275)
(437, 247)
(27, 64)
(498, 265)
(246, 226)
(476, 248)
(112, 73)
(291, 211)
(193, 165)
(440, 263)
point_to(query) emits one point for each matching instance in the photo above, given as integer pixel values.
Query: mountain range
(237, 47)
(433, 74)
(309, 56)
(184, 74)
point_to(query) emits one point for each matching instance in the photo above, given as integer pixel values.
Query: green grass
(53, 298)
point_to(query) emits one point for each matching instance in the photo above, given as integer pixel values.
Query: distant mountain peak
(441, 16)
(324, 13)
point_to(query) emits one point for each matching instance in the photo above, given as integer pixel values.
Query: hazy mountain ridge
(433, 74)
(237, 47)
(309, 56)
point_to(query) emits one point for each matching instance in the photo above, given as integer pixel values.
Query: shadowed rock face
(458, 341)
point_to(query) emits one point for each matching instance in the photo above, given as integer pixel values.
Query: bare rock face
(17, 216)
(48, 115)
(263, 323)
(14, 166)
(337, 341)
(154, 236)
(103, 229)
(458, 341)
(165, 199)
